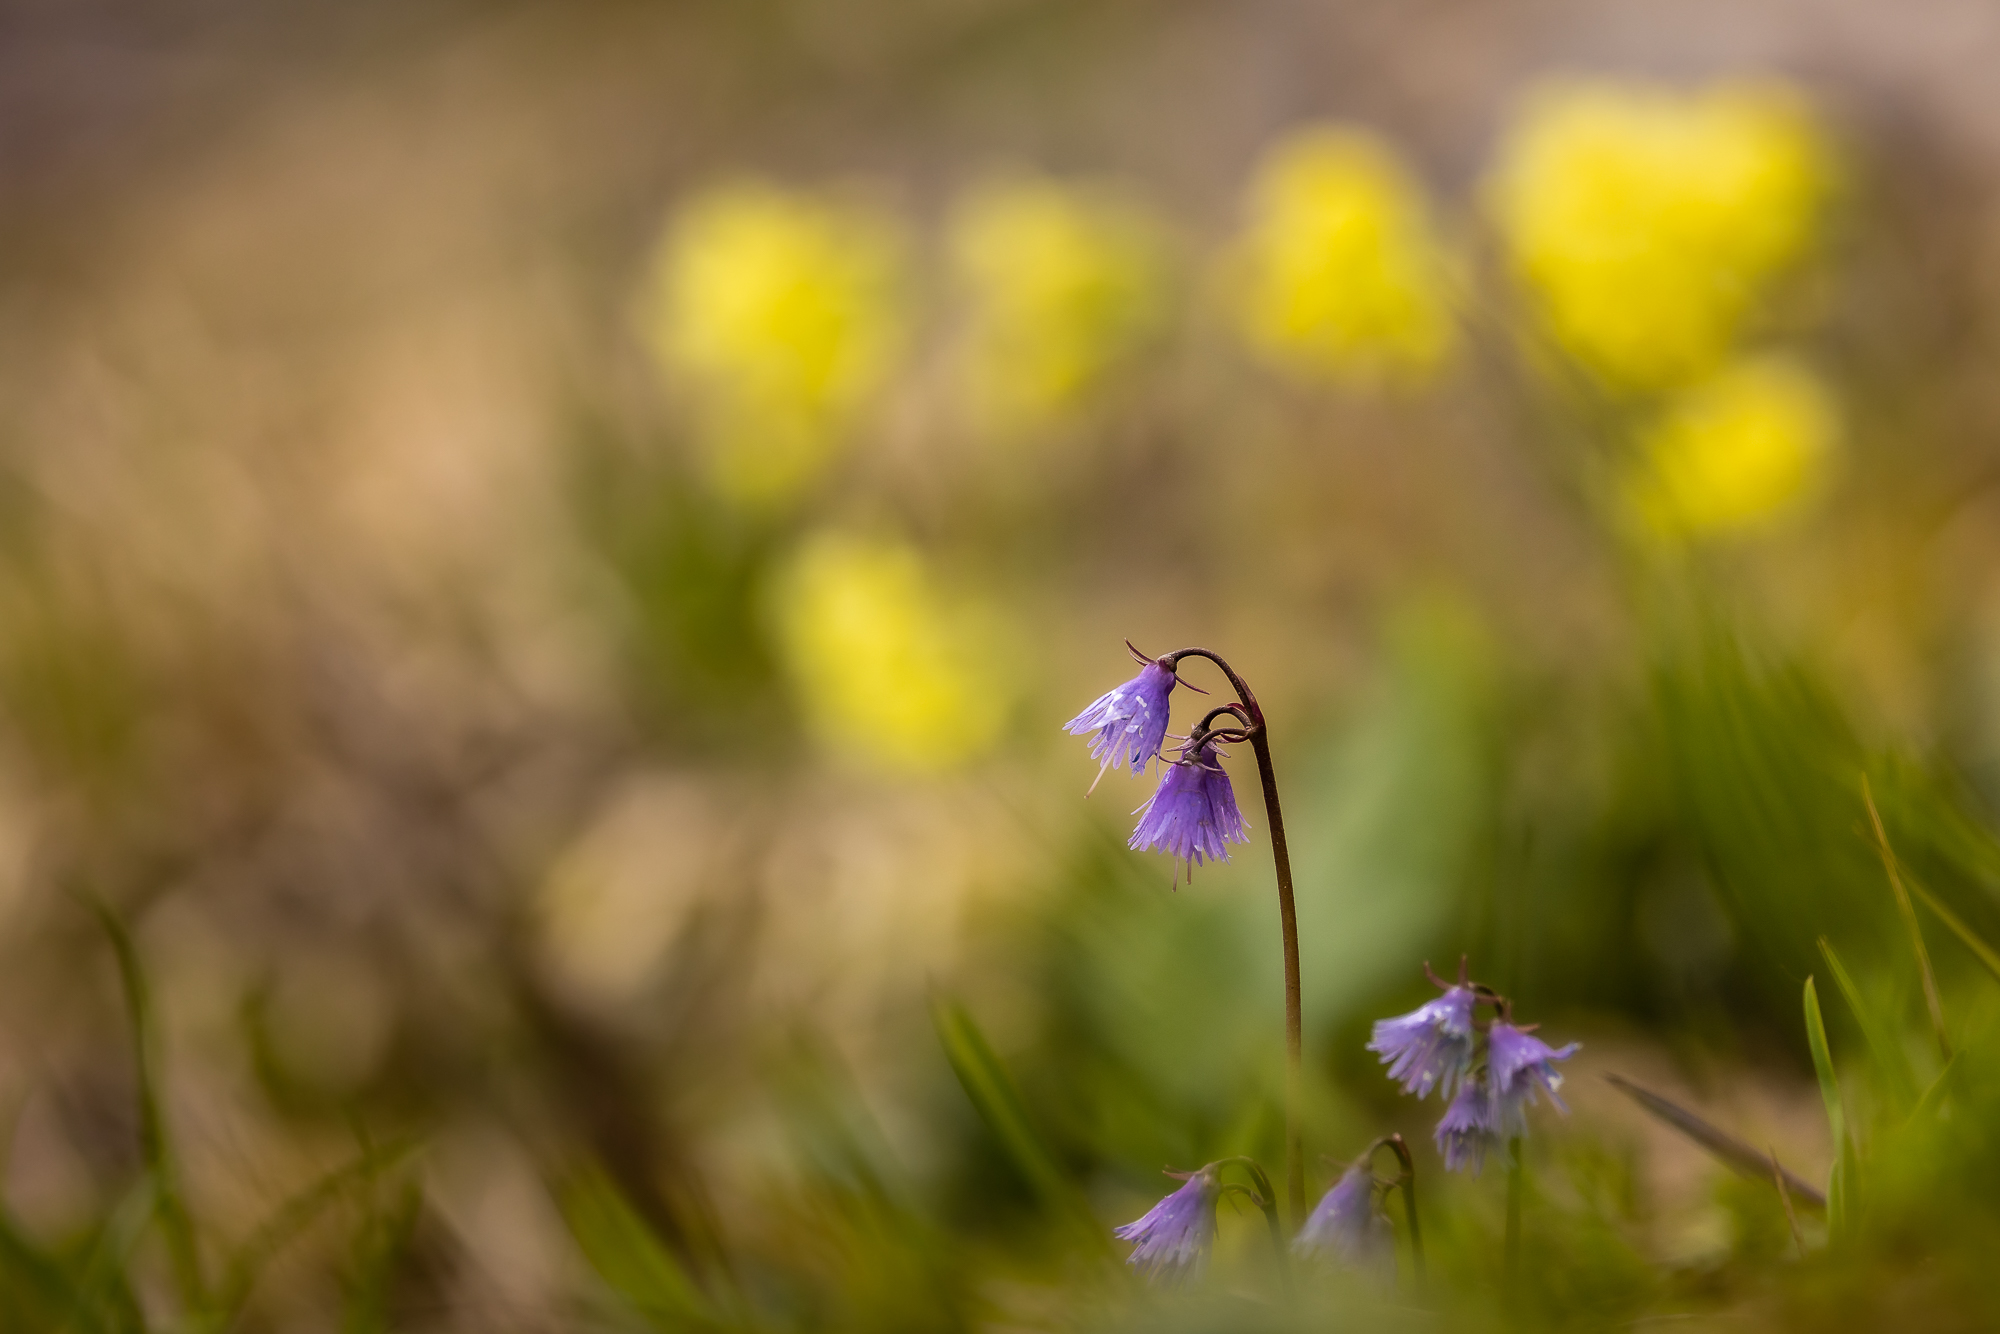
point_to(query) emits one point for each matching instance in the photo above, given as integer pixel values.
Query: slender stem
(1288, 921)
(1267, 1200)
(1909, 916)
(1785, 1194)
(1408, 1181)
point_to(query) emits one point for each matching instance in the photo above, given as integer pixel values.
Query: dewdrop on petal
(1337, 273)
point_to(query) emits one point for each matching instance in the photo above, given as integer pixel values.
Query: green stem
(1408, 1181)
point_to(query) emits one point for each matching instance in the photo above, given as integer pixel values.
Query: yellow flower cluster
(781, 312)
(1736, 451)
(887, 669)
(1338, 273)
(1062, 283)
(1647, 224)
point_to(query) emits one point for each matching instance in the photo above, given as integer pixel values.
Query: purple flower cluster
(1437, 1046)
(1172, 1240)
(1192, 816)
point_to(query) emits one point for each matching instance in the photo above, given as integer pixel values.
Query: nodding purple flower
(1130, 721)
(1468, 1128)
(1171, 1241)
(1430, 1047)
(1346, 1225)
(1516, 1063)
(1193, 813)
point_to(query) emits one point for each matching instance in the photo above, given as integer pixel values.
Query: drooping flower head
(1467, 1130)
(1130, 721)
(1193, 813)
(1172, 1240)
(1430, 1047)
(1346, 1225)
(1516, 1064)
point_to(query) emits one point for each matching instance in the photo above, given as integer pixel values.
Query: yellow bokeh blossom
(1338, 272)
(1062, 283)
(887, 669)
(1647, 224)
(1735, 452)
(780, 312)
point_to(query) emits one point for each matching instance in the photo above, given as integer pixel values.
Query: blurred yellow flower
(1736, 451)
(1338, 272)
(1647, 224)
(886, 668)
(781, 312)
(1063, 283)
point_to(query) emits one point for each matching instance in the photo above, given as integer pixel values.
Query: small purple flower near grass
(1346, 1225)
(1172, 1240)
(1430, 1047)
(1517, 1063)
(1467, 1131)
(1129, 721)
(1193, 813)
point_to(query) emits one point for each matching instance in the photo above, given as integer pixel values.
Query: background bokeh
(544, 550)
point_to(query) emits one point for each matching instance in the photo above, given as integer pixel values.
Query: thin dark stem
(1267, 1200)
(1288, 921)
(1408, 1181)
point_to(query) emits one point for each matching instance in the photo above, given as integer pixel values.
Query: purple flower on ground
(1346, 1225)
(1193, 813)
(1171, 1242)
(1467, 1129)
(1430, 1047)
(1130, 722)
(1516, 1063)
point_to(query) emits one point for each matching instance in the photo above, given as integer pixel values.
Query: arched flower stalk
(1193, 816)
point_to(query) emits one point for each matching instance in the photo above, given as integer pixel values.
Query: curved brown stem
(1288, 921)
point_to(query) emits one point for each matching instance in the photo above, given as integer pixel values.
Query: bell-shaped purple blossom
(1192, 815)
(1345, 1225)
(1517, 1064)
(1468, 1129)
(1130, 721)
(1430, 1047)
(1172, 1240)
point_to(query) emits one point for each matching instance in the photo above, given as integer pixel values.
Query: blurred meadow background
(544, 551)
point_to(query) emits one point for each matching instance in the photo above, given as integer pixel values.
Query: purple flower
(1430, 1047)
(1193, 813)
(1516, 1063)
(1130, 721)
(1172, 1240)
(1467, 1130)
(1346, 1225)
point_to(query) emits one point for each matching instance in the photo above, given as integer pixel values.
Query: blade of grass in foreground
(1840, 1183)
(1909, 916)
(1889, 1058)
(183, 1250)
(1728, 1150)
(994, 1096)
(626, 1254)
(1980, 949)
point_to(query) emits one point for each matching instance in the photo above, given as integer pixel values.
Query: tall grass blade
(1934, 1095)
(1909, 916)
(378, 1250)
(1840, 1184)
(1728, 1150)
(183, 1248)
(1980, 949)
(627, 1255)
(103, 1294)
(999, 1104)
(1889, 1058)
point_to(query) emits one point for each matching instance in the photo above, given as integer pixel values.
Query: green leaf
(627, 1255)
(999, 1104)
(1841, 1184)
(1889, 1057)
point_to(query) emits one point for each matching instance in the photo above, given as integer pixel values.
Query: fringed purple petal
(1430, 1047)
(1172, 1240)
(1192, 815)
(1345, 1225)
(1467, 1130)
(1129, 722)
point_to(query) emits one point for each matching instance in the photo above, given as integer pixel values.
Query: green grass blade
(1967, 936)
(1934, 1095)
(155, 1146)
(103, 1293)
(628, 1256)
(1932, 1003)
(33, 1284)
(1840, 1184)
(1889, 1057)
(999, 1104)
(378, 1251)
(293, 1217)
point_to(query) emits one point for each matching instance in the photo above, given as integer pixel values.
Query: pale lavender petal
(1430, 1047)
(1172, 1240)
(1130, 721)
(1346, 1225)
